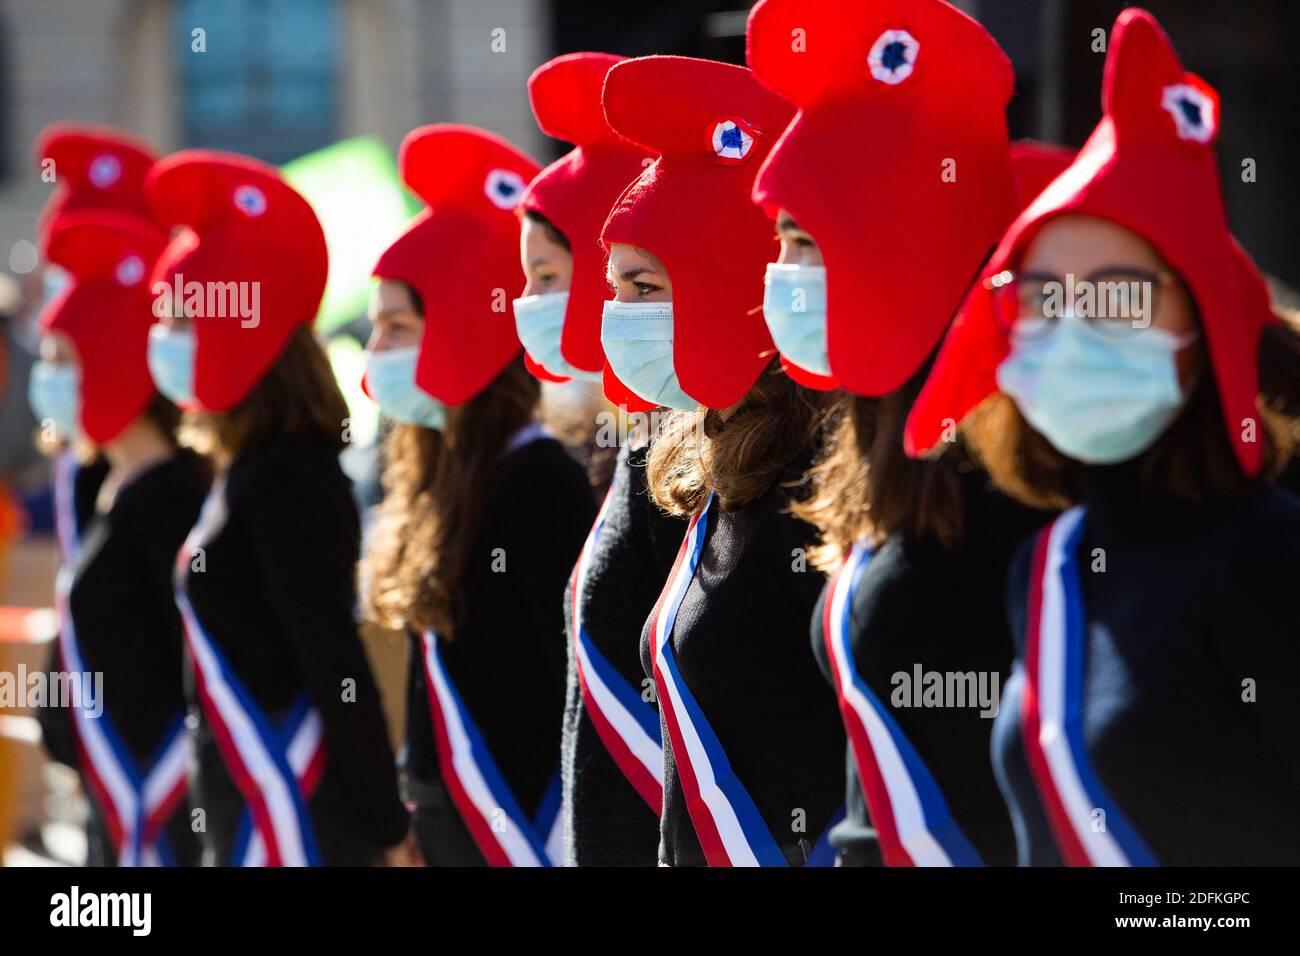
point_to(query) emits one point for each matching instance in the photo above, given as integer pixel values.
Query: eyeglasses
(1118, 301)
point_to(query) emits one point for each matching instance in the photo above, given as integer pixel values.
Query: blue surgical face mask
(1097, 398)
(171, 362)
(54, 392)
(539, 320)
(390, 375)
(638, 342)
(794, 305)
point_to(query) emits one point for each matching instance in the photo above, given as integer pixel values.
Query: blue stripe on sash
(289, 725)
(1075, 659)
(938, 819)
(760, 840)
(823, 854)
(549, 807)
(492, 775)
(643, 711)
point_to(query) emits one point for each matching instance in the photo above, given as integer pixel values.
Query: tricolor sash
(627, 724)
(65, 508)
(729, 826)
(265, 765)
(301, 735)
(503, 832)
(1055, 663)
(136, 802)
(911, 817)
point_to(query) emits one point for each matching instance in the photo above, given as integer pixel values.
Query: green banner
(362, 206)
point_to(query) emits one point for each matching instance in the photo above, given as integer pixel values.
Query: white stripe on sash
(742, 837)
(1051, 699)
(907, 808)
(1059, 645)
(302, 750)
(489, 815)
(637, 745)
(236, 716)
(131, 801)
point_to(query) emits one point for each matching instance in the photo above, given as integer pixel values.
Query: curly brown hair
(436, 486)
(739, 455)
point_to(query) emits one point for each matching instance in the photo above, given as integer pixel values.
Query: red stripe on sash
(1058, 816)
(479, 828)
(705, 827)
(873, 785)
(243, 781)
(154, 823)
(640, 778)
(112, 822)
(637, 775)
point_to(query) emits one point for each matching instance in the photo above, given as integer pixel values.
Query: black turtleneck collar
(1118, 503)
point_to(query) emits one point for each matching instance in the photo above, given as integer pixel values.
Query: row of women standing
(1041, 553)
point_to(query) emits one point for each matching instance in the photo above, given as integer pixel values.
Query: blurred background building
(284, 79)
(279, 78)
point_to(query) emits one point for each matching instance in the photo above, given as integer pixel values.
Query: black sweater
(740, 641)
(920, 604)
(126, 622)
(56, 728)
(277, 596)
(1193, 602)
(507, 657)
(608, 823)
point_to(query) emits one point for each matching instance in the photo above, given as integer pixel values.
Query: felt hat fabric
(1149, 166)
(711, 124)
(461, 254)
(249, 265)
(94, 167)
(897, 163)
(576, 191)
(106, 310)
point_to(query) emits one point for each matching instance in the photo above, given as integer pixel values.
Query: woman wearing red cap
(1115, 334)
(293, 762)
(919, 549)
(611, 755)
(753, 754)
(121, 517)
(484, 513)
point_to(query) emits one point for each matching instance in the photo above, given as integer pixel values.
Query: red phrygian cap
(576, 192)
(898, 164)
(711, 124)
(106, 310)
(1034, 164)
(243, 225)
(1037, 164)
(1149, 166)
(95, 167)
(461, 255)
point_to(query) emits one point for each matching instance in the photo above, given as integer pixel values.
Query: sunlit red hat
(1036, 165)
(1149, 166)
(95, 167)
(461, 255)
(711, 124)
(577, 190)
(106, 309)
(897, 163)
(244, 225)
